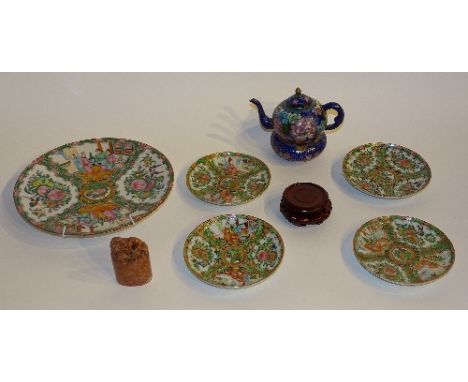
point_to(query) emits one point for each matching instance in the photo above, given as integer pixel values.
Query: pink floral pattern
(93, 187)
(386, 170)
(227, 178)
(403, 250)
(138, 184)
(233, 251)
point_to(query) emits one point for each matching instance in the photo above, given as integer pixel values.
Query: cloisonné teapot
(298, 125)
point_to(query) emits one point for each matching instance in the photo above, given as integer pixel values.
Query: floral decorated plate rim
(186, 243)
(410, 218)
(121, 227)
(370, 144)
(234, 153)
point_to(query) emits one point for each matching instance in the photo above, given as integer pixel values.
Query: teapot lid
(300, 101)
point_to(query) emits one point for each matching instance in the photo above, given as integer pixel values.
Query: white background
(186, 116)
(207, 35)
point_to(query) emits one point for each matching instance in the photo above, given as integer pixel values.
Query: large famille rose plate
(233, 251)
(93, 187)
(386, 170)
(403, 250)
(228, 178)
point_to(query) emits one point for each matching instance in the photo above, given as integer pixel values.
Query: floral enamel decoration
(298, 125)
(403, 250)
(93, 187)
(386, 170)
(228, 178)
(233, 251)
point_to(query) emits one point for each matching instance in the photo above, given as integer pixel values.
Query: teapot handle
(338, 119)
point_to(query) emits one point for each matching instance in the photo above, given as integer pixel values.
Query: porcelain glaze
(93, 187)
(228, 178)
(233, 251)
(386, 170)
(403, 250)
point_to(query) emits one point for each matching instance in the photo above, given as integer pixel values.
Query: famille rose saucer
(93, 187)
(403, 250)
(228, 178)
(233, 251)
(386, 170)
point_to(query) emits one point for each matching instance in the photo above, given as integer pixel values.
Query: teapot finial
(298, 91)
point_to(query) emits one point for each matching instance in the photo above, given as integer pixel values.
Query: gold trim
(249, 217)
(391, 217)
(346, 175)
(121, 227)
(193, 165)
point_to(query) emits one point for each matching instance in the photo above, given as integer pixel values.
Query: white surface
(186, 116)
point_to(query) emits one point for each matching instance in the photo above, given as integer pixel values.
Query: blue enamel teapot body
(298, 125)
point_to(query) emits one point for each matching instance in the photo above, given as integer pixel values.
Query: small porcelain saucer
(386, 170)
(228, 178)
(233, 251)
(403, 250)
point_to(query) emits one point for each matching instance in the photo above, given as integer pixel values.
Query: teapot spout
(265, 121)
